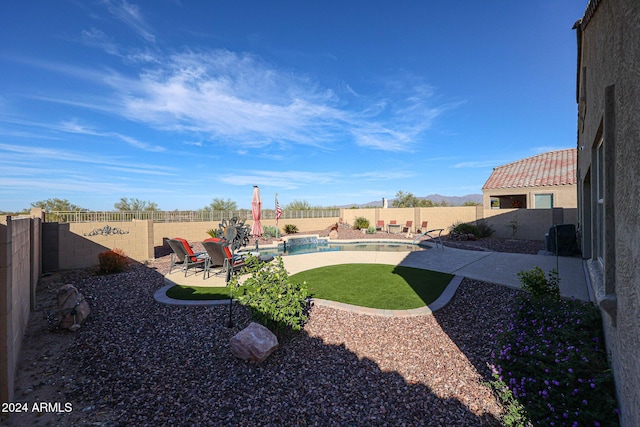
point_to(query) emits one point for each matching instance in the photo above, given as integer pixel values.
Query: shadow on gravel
(138, 362)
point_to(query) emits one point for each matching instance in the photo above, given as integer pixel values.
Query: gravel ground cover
(138, 362)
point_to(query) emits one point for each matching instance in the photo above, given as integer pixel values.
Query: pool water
(336, 247)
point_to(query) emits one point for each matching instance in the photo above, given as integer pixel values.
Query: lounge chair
(423, 227)
(184, 255)
(380, 226)
(220, 256)
(407, 227)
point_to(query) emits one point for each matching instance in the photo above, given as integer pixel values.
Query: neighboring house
(545, 181)
(608, 96)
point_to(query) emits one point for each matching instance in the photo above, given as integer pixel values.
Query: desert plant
(536, 283)
(464, 228)
(513, 227)
(360, 223)
(269, 231)
(484, 228)
(290, 228)
(213, 232)
(113, 261)
(371, 230)
(274, 300)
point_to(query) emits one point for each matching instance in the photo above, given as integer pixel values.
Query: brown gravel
(138, 362)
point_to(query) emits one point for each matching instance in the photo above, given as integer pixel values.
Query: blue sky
(333, 102)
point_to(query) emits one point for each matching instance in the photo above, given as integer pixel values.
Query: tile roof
(552, 168)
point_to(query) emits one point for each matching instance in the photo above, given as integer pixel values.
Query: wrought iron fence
(183, 216)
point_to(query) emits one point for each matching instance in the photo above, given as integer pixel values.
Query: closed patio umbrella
(256, 207)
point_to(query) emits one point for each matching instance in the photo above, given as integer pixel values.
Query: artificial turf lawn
(389, 287)
(198, 293)
(382, 286)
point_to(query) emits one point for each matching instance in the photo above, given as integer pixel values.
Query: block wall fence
(20, 269)
(77, 245)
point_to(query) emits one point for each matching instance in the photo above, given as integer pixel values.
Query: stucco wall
(77, 248)
(609, 108)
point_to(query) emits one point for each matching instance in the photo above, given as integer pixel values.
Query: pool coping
(445, 297)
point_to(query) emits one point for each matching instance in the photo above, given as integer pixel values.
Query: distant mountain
(435, 198)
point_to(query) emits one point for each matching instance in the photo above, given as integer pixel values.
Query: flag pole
(277, 216)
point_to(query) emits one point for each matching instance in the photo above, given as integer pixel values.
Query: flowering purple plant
(551, 360)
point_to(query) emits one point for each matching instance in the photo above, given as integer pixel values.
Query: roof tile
(552, 168)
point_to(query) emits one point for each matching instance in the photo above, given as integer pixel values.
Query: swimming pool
(336, 247)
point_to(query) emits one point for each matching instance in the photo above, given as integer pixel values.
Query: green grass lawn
(382, 286)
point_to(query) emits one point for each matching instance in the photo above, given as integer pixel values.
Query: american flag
(278, 210)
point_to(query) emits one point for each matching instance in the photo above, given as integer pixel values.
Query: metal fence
(183, 216)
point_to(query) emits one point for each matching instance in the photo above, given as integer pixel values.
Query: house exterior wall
(609, 111)
(564, 196)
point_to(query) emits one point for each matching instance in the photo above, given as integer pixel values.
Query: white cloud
(130, 14)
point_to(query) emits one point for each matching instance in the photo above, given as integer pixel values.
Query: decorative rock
(255, 343)
(333, 234)
(73, 308)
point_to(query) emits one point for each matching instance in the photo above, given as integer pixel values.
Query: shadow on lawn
(144, 362)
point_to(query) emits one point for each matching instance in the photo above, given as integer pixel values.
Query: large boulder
(72, 307)
(255, 343)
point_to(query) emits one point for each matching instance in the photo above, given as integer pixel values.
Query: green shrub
(290, 228)
(213, 232)
(269, 231)
(484, 229)
(113, 261)
(361, 223)
(464, 228)
(535, 282)
(273, 299)
(371, 230)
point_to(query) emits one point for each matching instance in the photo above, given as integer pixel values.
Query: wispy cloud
(288, 180)
(130, 14)
(76, 128)
(17, 153)
(227, 97)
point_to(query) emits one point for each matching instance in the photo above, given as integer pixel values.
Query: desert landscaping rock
(138, 362)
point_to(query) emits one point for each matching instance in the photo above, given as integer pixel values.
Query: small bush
(361, 223)
(485, 229)
(464, 228)
(273, 299)
(269, 231)
(371, 230)
(113, 261)
(535, 282)
(290, 228)
(213, 232)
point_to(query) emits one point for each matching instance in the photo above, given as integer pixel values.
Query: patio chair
(220, 256)
(423, 227)
(407, 227)
(184, 255)
(380, 226)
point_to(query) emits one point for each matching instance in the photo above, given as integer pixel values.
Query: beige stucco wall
(564, 196)
(77, 249)
(609, 108)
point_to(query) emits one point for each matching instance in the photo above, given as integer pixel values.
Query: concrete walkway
(493, 267)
